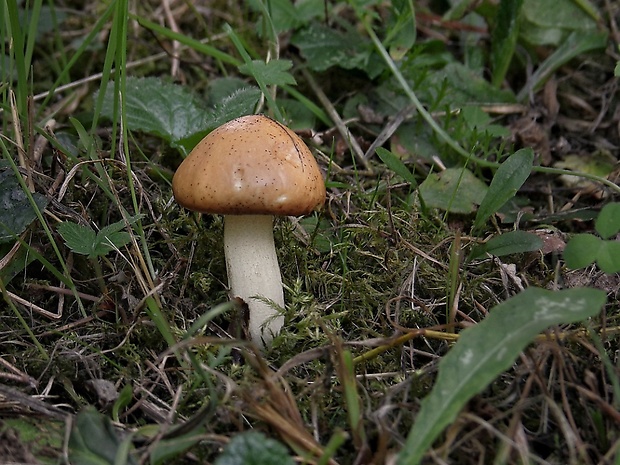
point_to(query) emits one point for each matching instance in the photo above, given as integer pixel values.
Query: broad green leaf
(466, 87)
(283, 14)
(222, 88)
(608, 221)
(509, 243)
(83, 239)
(94, 441)
(254, 448)
(549, 22)
(323, 47)
(167, 110)
(240, 103)
(395, 164)
(456, 190)
(275, 72)
(575, 44)
(119, 225)
(507, 180)
(16, 212)
(79, 238)
(108, 242)
(487, 349)
(401, 29)
(582, 250)
(504, 38)
(608, 258)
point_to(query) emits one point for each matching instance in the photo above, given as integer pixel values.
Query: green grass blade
(504, 38)
(486, 350)
(33, 23)
(188, 41)
(18, 55)
(251, 69)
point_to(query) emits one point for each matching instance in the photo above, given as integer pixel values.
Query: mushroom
(249, 170)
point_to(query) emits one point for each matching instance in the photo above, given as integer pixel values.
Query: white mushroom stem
(253, 271)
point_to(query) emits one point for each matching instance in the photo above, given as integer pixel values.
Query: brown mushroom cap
(251, 165)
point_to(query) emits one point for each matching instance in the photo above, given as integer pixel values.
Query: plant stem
(443, 135)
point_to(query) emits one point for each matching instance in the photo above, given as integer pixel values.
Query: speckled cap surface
(251, 165)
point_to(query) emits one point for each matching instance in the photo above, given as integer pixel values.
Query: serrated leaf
(323, 48)
(16, 212)
(106, 243)
(254, 448)
(468, 88)
(487, 349)
(283, 14)
(79, 238)
(119, 225)
(456, 190)
(396, 165)
(507, 180)
(240, 103)
(581, 250)
(608, 221)
(94, 441)
(83, 239)
(274, 72)
(167, 110)
(509, 243)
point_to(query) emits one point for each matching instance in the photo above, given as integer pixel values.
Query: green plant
(489, 348)
(584, 249)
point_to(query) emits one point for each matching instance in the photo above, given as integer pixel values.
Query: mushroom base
(254, 273)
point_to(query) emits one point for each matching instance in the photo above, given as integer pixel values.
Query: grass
(117, 314)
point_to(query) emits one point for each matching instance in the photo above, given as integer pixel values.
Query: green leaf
(509, 243)
(253, 448)
(165, 450)
(608, 221)
(240, 103)
(284, 15)
(79, 238)
(16, 212)
(487, 349)
(83, 239)
(504, 38)
(608, 258)
(167, 110)
(582, 250)
(323, 47)
(507, 180)
(549, 22)
(576, 44)
(275, 72)
(401, 30)
(396, 164)
(94, 441)
(456, 190)
(468, 88)
(106, 243)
